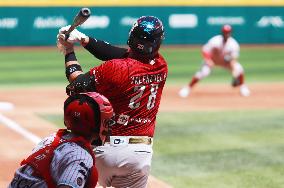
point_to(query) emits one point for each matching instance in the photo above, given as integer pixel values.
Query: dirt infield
(33, 101)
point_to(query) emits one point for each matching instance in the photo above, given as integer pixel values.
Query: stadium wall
(38, 25)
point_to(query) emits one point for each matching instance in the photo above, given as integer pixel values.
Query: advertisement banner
(38, 26)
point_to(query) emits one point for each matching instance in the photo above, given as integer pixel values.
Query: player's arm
(207, 56)
(79, 81)
(233, 55)
(100, 49)
(103, 50)
(210, 49)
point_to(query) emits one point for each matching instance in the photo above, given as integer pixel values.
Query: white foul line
(17, 128)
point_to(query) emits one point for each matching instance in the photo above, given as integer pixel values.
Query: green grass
(240, 149)
(22, 67)
(224, 149)
(232, 149)
(260, 64)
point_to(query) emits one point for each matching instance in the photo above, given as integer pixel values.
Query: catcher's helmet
(88, 113)
(146, 36)
(226, 29)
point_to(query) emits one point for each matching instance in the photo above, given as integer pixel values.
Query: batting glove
(74, 36)
(64, 46)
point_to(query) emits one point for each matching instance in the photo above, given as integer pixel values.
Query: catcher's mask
(89, 113)
(146, 36)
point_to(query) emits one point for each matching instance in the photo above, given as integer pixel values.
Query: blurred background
(214, 138)
(186, 22)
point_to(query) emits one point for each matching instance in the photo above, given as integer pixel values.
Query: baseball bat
(79, 19)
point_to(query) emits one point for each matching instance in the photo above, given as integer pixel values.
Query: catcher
(221, 50)
(65, 159)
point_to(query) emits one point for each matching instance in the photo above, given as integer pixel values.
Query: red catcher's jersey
(134, 90)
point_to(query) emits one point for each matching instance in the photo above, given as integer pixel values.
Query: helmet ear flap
(140, 46)
(105, 111)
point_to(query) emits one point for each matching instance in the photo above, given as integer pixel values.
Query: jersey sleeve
(104, 51)
(206, 49)
(71, 165)
(107, 76)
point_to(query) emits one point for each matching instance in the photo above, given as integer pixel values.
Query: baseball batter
(65, 159)
(133, 84)
(221, 50)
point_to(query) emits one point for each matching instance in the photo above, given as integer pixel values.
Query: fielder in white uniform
(221, 50)
(66, 159)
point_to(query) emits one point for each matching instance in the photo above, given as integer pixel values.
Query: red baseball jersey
(134, 90)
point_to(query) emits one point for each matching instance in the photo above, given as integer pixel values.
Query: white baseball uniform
(124, 164)
(70, 166)
(226, 51)
(217, 52)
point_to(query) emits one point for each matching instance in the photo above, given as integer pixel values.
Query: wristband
(70, 57)
(71, 69)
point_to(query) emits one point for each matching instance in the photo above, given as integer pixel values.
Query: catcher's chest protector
(40, 160)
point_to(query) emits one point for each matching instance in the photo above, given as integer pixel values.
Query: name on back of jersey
(148, 79)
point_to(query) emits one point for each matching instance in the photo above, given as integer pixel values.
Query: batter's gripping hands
(74, 36)
(62, 45)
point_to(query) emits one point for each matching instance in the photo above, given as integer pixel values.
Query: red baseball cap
(226, 29)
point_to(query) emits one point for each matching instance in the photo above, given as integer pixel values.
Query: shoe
(244, 91)
(184, 92)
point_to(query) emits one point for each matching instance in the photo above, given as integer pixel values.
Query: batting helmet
(88, 113)
(226, 29)
(146, 36)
